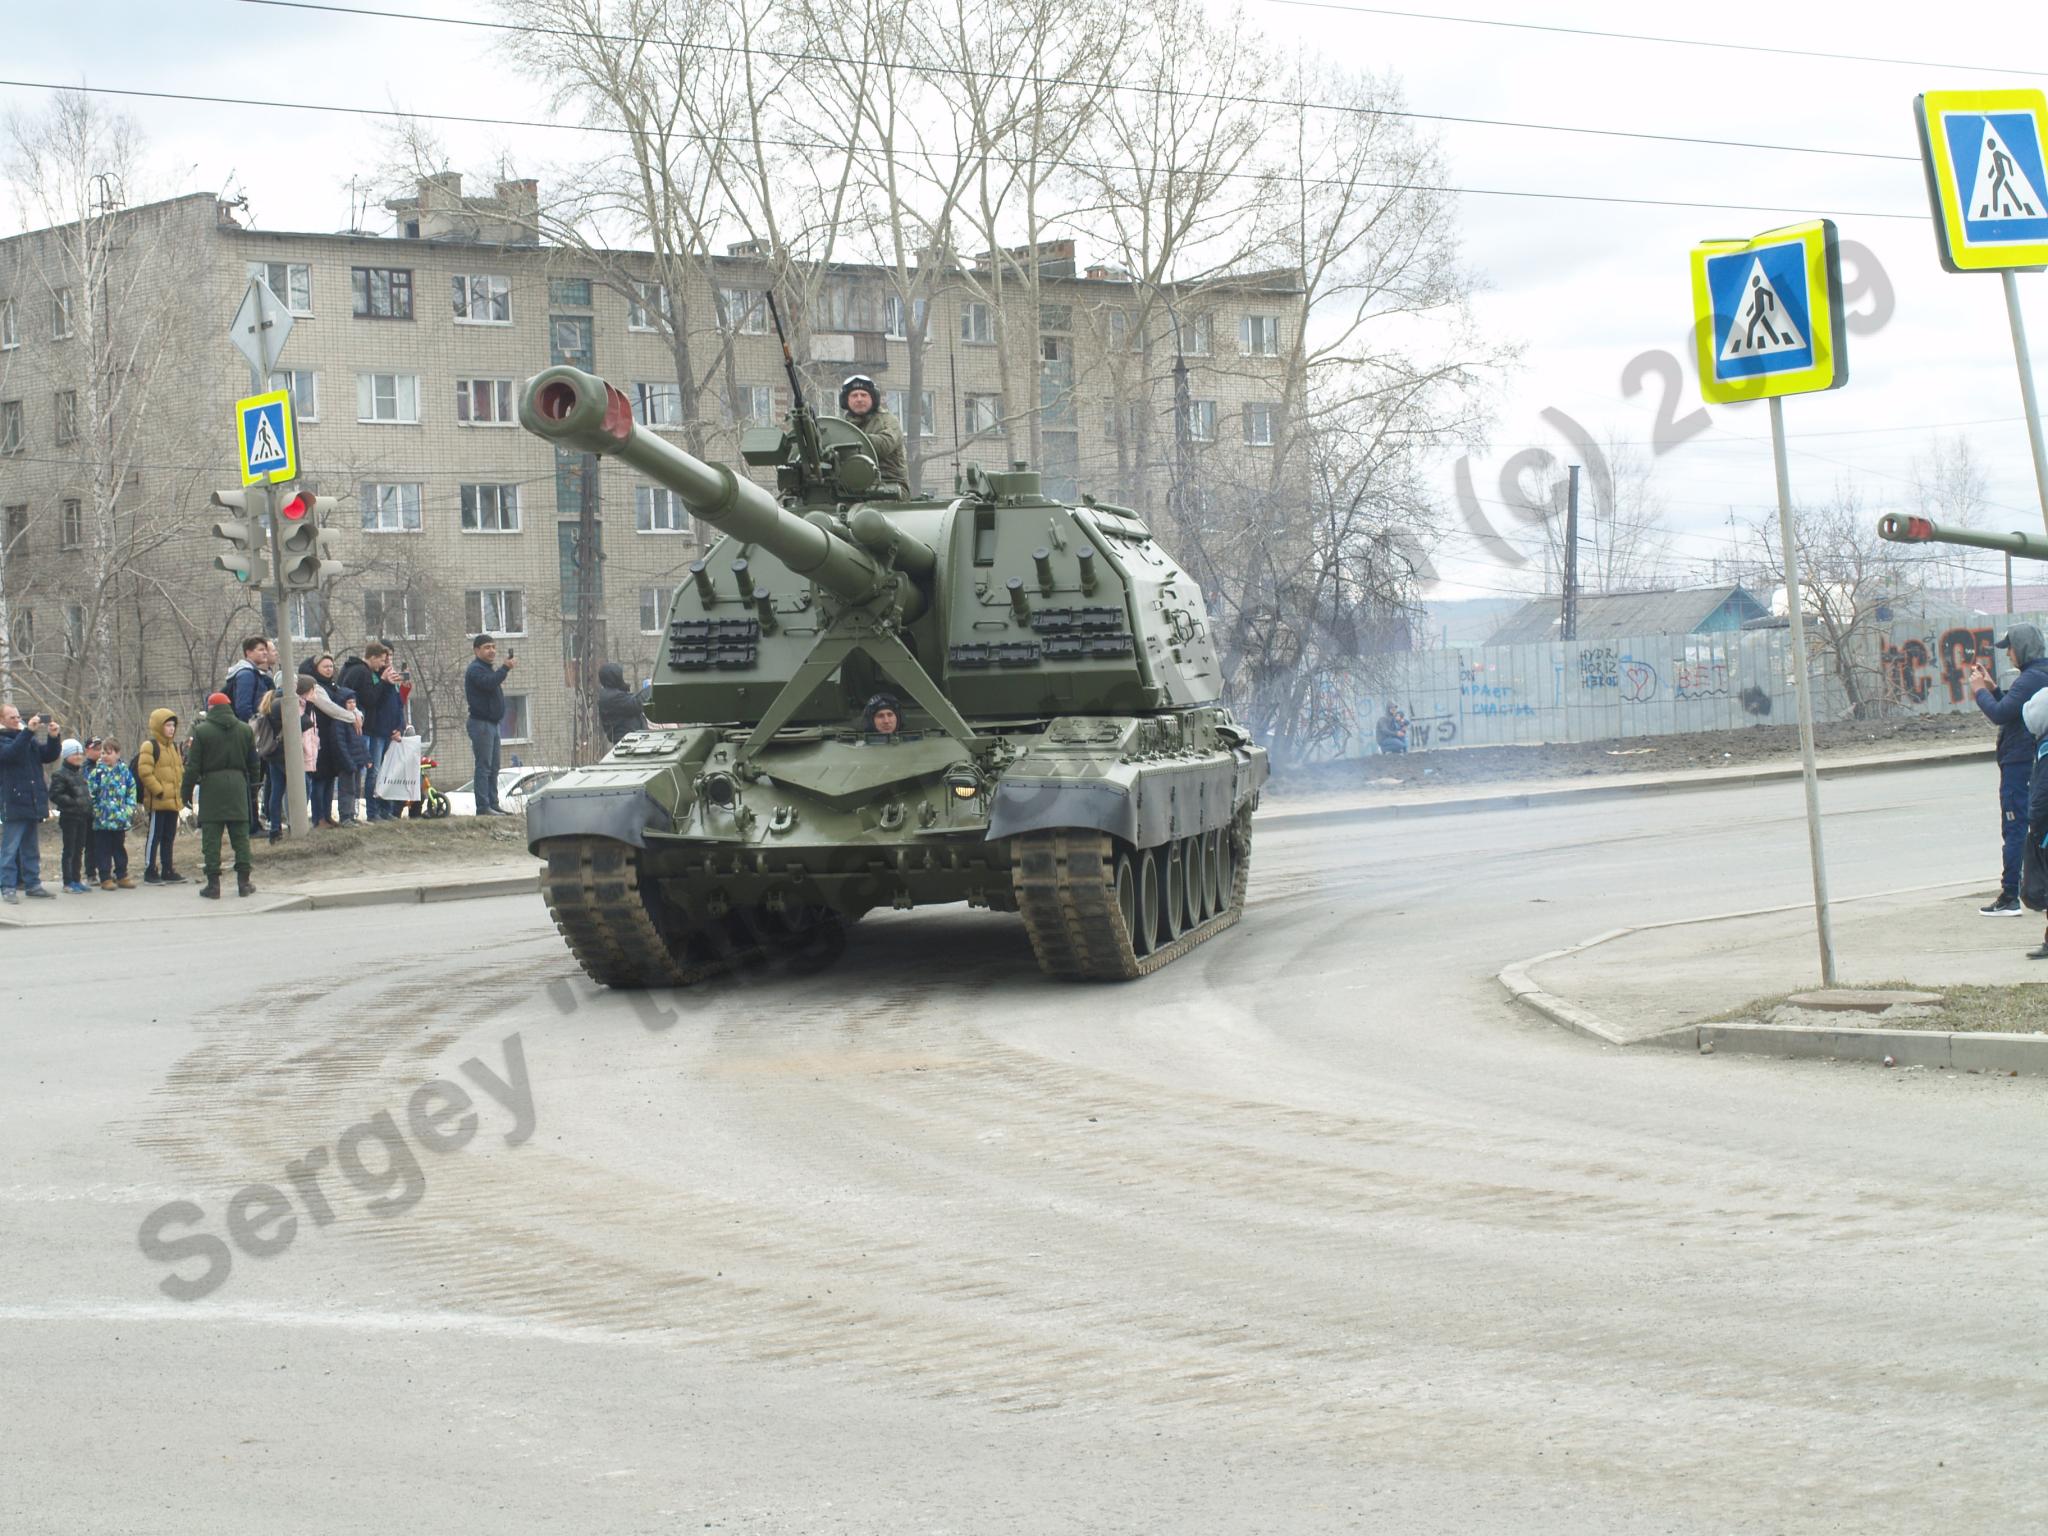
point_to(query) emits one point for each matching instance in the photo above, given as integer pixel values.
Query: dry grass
(387, 847)
(2018, 1010)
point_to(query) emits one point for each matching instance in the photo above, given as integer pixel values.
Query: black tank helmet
(859, 381)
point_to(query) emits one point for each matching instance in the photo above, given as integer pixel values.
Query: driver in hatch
(861, 403)
(881, 718)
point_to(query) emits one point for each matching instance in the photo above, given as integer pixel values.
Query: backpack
(135, 765)
(265, 728)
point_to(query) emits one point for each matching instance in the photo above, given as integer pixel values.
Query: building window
(1194, 335)
(303, 385)
(10, 426)
(517, 724)
(388, 397)
(893, 312)
(656, 404)
(495, 611)
(984, 412)
(1118, 338)
(291, 281)
(60, 315)
(756, 403)
(394, 613)
(484, 402)
(1258, 335)
(71, 525)
(25, 636)
(656, 509)
(894, 401)
(742, 312)
(10, 338)
(976, 325)
(569, 292)
(646, 302)
(65, 416)
(1202, 420)
(391, 508)
(74, 631)
(483, 299)
(654, 603)
(382, 293)
(572, 339)
(1260, 422)
(309, 616)
(15, 531)
(490, 509)
(1056, 317)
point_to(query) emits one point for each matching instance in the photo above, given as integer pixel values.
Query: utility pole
(1568, 623)
(587, 558)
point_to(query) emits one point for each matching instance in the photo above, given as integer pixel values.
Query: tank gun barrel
(581, 412)
(1902, 528)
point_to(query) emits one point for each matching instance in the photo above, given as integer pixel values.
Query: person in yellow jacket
(159, 785)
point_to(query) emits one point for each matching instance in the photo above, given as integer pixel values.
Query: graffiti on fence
(1959, 648)
(1700, 678)
(1639, 681)
(1599, 667)
(1906, 674)
(1425, 731)
(1755, 701)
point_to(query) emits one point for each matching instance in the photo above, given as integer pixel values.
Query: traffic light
(308, 548)
(243, 557)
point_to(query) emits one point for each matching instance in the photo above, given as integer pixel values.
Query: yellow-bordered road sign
(1767, 314)
(264, 432)
(1986, 177)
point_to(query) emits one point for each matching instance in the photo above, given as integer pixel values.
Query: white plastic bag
(399, 777)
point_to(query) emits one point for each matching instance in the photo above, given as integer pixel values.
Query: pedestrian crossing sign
(1985, 177)
(266, 435)
(1767, 314)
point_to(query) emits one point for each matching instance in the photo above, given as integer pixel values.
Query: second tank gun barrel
(1904, 528)
(581, 412)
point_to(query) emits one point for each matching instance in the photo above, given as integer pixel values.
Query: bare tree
(1624, 538)
(113, 281)
(1851, 582)
(1949, 486)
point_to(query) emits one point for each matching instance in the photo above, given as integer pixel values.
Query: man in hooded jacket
(618, 707)
(2006, 709)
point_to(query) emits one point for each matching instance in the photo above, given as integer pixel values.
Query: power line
(801, 56)
(820, 144)
(1644, 37)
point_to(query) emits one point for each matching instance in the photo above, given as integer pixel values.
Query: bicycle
(432, 804)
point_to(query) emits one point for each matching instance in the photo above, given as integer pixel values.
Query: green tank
(1060, 751)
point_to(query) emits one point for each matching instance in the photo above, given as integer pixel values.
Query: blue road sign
(1768, 314)
(264, 433)
(1987, 175)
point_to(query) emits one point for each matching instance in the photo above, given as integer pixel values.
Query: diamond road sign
(260, 327)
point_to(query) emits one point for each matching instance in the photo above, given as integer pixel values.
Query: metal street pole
(2028, 399)
(288, 669)
(1795, 613)
(1568, 620)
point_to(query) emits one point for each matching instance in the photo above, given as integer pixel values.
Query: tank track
(1065, 881)
(614, 926)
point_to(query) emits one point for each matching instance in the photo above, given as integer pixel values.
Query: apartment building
(405, 359)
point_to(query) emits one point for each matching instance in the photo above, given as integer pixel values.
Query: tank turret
(1059, 751)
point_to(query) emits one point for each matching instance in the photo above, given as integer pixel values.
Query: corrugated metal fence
(1662, 685)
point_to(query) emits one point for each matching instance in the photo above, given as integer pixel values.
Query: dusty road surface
(1312, 1232)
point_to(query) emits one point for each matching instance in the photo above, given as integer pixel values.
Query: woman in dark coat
(337, 719)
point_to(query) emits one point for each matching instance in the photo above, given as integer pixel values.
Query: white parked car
(514, 785)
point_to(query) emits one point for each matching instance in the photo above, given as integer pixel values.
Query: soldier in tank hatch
(882, 717)
(861, 403)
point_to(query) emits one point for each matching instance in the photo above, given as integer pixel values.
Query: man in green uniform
(861, 403)
(219, 765)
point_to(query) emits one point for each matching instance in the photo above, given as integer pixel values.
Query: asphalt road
(1311, 1232)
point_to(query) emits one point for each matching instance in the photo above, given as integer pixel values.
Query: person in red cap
(219, 767)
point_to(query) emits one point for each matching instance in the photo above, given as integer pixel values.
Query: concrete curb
(429, 889)
(1968, 1051)
(1616, 789)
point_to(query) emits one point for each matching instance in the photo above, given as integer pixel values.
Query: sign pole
(1795, 613)
(2028, 398)
(262, 347)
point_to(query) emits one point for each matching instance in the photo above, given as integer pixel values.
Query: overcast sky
(1584, 286)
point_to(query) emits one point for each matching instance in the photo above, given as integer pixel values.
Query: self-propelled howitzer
(1060, 750)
